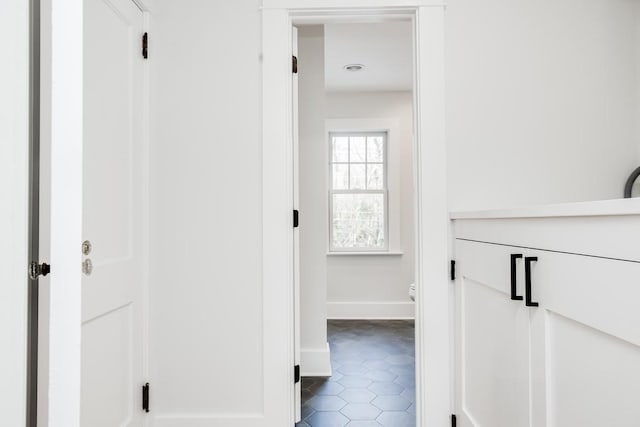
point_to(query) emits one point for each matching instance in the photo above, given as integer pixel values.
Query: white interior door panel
(492, 340)
(113, 213)
(586, 369)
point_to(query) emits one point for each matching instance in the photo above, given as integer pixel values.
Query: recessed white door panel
(113, 182)
(492, 341)
(107, 365)
(593, 377)
(586, 371)
(494, 358)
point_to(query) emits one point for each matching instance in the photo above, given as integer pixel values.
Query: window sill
(366, 253)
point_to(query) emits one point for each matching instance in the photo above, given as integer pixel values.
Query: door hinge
(145, 397)
(36, 270)
(294, 64)
(296, 218)
(145, 45)
(453, 420)
(453, 269)
(296, 374)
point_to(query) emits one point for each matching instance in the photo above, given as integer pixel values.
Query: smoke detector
(353, 67)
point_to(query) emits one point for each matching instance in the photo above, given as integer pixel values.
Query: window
(358, 191)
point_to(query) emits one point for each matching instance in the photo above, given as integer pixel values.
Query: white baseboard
(315, 362)
(370, 310)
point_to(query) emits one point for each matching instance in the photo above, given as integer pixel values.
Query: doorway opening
(354, 179)
(434, 295)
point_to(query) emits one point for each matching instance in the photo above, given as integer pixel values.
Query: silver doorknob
(87, 267)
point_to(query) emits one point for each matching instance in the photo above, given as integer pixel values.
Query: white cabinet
(571, 361)
(493, 340)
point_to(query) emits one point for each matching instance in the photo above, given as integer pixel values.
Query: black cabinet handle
(514, 278)
(527, 280)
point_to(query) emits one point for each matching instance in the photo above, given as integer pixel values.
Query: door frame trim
(64, 334)
(34, 210)
(434, 296)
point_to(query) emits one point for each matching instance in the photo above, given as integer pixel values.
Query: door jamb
(34, 210)
(433, 339)
(66, 213)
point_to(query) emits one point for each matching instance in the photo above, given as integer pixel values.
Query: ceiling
(385, 49)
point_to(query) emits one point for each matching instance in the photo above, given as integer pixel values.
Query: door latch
(36, 270)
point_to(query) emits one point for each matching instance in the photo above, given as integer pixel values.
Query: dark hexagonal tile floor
(326, 403)
(361, 411)
(391, 403)
(373, 383)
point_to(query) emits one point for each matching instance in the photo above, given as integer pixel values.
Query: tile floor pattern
(373, 382)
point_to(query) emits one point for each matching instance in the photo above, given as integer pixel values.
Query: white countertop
(597, 208)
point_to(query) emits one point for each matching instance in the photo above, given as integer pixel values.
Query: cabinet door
(585, 341)
(492, 339)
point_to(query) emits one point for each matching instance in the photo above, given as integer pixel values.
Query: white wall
(376, 286)
(14, 149)
(523, 77)
(313, 203)
(637, 91)
(542, 100)
(206, 322)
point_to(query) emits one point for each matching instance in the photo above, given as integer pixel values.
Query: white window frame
(384, 191)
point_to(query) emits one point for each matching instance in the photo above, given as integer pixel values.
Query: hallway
(373, 382)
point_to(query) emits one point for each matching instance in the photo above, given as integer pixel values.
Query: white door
(113, 212)
(492, 338)
(585, 340)
(296, 231)
(14, 190)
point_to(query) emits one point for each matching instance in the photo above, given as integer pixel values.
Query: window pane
(357, 181)
(375, 149)
(375, 177)
(340, 177)
(358, 221)
(340, 149)
(358, 149)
